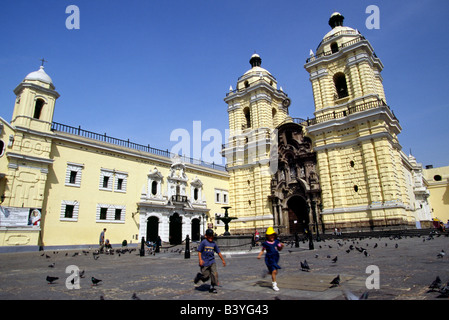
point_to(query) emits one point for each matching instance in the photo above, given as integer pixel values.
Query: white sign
(19, 217)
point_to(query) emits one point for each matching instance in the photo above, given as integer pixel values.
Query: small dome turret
(39, 75)
(255, 60)
(336, 20)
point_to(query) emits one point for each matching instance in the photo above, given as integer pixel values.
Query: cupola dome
(39, 75)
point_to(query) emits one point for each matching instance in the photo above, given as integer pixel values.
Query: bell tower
(35, 102)
(255, 108)
(30, 143)
(354, 134)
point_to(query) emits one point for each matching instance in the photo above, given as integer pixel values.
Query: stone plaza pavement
(406, 268)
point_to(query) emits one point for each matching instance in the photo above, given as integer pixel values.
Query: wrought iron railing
(245, 88)
(129, 144)
(350, 110)
(328, 53)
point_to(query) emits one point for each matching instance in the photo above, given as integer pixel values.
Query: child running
(272, 246)
(206, 255)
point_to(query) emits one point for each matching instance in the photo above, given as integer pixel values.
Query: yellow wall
(355, 138)
(439, 191)
(137, 165)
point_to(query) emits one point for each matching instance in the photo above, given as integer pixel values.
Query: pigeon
(334, 260)
(436, 284)
(135, 297)
(396, 246)
(350, 296)
(51, 279)
(52, 265)
(305, 266)
(444, 292)
(95, 281)
(375, 246)
(441, 254)
(81, 274)
(335, 282)
(366, 253)
(96, 257)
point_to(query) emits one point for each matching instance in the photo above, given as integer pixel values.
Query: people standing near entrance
(272, 246)
(102, 240)
(206, 256)
(256, 238)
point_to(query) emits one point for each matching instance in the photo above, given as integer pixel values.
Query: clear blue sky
(140, 69)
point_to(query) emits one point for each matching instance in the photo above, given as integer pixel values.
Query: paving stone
(405, 273)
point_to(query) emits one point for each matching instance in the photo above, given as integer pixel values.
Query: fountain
(228, 242)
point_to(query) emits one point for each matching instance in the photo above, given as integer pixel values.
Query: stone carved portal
(295, 187)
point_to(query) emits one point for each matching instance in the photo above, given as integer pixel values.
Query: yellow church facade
(355, 134)
(61, 186)
(356, 177)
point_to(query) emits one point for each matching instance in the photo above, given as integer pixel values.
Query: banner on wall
(19, 217)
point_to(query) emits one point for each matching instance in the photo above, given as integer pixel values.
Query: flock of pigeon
(81, 274)
(436, 285)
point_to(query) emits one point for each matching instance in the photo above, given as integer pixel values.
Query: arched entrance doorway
(298, 214)
(175, 233)
(195, 229)
(152, 229)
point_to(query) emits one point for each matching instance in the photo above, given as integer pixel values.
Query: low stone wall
(234, 243)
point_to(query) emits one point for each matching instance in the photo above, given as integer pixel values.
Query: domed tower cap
(39, 75)
(255, 60)
(336, 20)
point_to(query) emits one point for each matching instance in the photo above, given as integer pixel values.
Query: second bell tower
(354, 134)
(255, 108)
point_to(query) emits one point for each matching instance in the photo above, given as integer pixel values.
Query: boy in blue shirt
(206, 255)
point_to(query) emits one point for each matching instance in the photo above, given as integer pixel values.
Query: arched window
(340, 85)
(195, 194)
(247, 114)
(38, 108)
(334, 47)
(2, 148)
(154, 188)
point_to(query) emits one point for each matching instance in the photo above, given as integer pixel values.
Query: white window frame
(78, 168)
(106, 173)
(64, 204)
(114, 177)
(222, 193)
(110, 213)
(124, 177)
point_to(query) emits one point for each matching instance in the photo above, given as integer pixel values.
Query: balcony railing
(348, 111)
(129, 144)
(260, 80)
(330, 52)
(178, 198)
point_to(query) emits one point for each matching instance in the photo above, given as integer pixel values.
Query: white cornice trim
(22, 157)
(133, 153)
